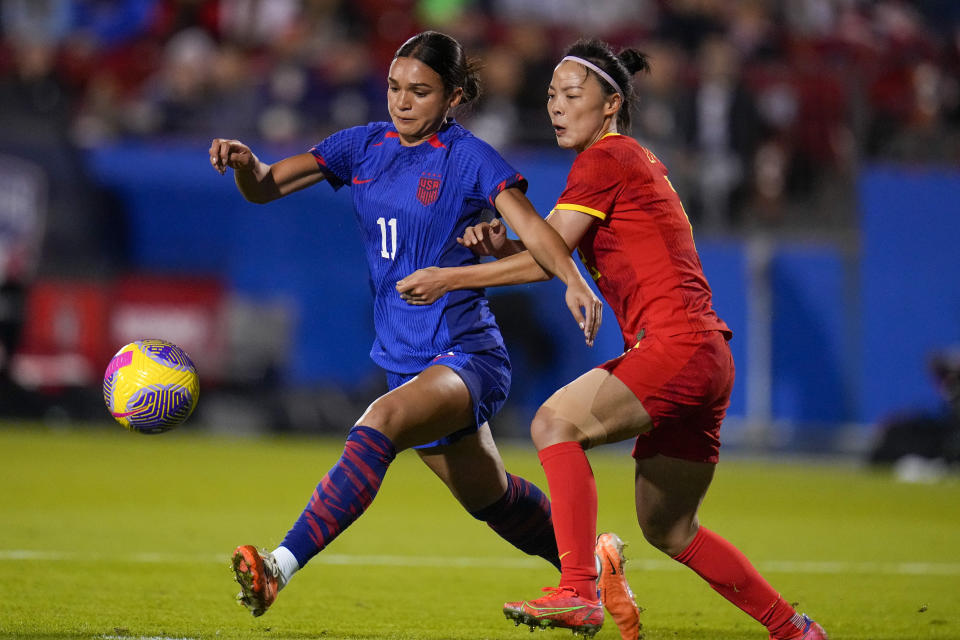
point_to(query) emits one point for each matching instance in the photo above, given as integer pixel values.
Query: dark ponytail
(444, 55)
(620, 67)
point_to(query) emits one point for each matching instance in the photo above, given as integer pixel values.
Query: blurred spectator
(901, 44)
(720, 122)
(234, 96)
(531, 44)
(496, 118)
(180, 94)
(350, 88)
(255, 22)
(751, 30)
(928, 435)
(23, 195)
(689, 22)
(924, 136)
(657, 117)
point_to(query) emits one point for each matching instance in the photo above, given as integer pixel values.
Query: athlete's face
(579, 110)
(416, 99)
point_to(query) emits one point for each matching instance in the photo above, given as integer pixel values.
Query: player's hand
(423, 287)
(231, 153)
(486, 238)
(586, 308)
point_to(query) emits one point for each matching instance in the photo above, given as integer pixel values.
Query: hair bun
(634, 60)
(471, 80)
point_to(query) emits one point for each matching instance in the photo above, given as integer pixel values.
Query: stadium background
(814, 143)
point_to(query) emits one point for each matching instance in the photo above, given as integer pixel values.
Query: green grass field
(106, 534)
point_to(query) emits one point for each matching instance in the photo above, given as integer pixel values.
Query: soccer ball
(151, 386)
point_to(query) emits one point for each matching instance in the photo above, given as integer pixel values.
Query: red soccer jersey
(640, 250)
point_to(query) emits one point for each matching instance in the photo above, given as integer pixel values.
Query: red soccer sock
(731, 575)
(573, 499)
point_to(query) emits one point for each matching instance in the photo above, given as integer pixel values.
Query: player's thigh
(471, 467)
(596, 408)
(669, 492)
(429, 406)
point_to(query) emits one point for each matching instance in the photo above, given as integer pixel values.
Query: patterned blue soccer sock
(343, 494)
(522, 517)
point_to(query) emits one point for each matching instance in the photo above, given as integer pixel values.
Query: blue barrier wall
(850, 339)
(725, 266)
(810, 370)
(910, 276)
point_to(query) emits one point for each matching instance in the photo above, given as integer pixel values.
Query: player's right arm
(258, 181)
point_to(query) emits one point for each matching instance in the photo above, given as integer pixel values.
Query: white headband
(600, 72)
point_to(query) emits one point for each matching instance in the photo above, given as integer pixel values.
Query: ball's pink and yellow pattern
(151, 386)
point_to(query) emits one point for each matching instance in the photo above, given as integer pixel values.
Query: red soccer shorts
(684, 383)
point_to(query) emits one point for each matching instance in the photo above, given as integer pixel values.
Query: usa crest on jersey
(429, 188)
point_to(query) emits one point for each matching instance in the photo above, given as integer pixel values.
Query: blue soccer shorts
(487, 376)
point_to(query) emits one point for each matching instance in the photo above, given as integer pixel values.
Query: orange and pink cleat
(257, 574)
(562, 607)
(615, 592)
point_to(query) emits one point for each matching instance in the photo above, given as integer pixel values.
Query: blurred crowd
(763, 109)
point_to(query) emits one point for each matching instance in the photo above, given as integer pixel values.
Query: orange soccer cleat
(615, 593)
(257, 573)
(562, 607)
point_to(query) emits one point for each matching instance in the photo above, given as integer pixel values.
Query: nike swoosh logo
(358, 181)
(565, 553)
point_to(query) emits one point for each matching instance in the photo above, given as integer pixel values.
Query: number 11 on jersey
(384, 223)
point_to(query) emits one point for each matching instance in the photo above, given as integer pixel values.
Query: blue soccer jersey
(412, 203)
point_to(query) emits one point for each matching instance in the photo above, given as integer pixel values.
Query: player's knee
(657, 538)
(548, 428)
(670, 538)
(386, 416)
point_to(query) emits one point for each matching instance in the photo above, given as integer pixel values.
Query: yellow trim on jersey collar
(596, 213)
(582, 209)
